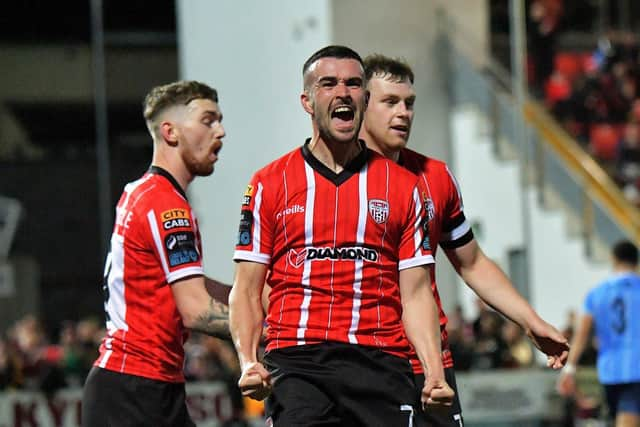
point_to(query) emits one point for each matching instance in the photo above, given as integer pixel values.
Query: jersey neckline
(350, 169)
(157, 170)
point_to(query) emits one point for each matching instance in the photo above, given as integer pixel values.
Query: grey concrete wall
(411, 29)
(253, 55)
(48, 73)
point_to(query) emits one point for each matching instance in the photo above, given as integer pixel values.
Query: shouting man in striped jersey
(339, 230)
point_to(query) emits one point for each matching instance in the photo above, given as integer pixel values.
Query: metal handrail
(598, 184)
(600, 195)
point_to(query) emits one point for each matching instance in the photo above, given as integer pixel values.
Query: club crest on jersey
(296, 258)
(429, 208)
(379, 210)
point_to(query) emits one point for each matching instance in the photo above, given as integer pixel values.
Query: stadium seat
(569, 64)
(557, 88)
(603, 141)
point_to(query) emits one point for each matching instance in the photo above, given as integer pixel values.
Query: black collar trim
(353, 167)
(163, 172)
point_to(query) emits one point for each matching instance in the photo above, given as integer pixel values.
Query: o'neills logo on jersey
(297, 258)
(379, 210)
(292, 210)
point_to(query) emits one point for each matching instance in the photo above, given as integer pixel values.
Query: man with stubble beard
(338, 229)
(154, 283)
(386, 129)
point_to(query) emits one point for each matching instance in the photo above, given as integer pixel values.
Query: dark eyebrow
(328, 79)
(214, 113)
(331, 79)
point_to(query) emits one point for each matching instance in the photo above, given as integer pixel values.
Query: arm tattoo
(214, 321)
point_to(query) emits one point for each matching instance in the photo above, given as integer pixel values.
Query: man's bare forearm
(214, 321)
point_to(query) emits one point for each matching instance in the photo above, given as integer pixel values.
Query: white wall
(560, 273)
(252, 52)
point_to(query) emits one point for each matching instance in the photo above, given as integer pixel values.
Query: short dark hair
(177, 93)
(626, 252)
(393, 69)
(333, 51)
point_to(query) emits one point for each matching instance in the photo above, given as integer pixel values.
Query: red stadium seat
(569, 64)
(556, 89)
(589, 63)
(603, 141)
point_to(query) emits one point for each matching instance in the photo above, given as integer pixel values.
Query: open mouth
(401, 128)
(344, 113)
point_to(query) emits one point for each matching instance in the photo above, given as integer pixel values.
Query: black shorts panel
(623, 397)
(445, 418)
(335, 384)
(112, 399)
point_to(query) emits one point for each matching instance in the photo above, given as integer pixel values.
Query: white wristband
(569, 369)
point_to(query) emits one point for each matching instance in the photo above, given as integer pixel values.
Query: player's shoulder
(419, 163)
(276, 166)
(377, 160)
(604, 287)
(154, 191)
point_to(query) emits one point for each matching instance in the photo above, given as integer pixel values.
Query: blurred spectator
(596, 97)
(10, 366)
(208, 359)
(39, 360)
(519, 353)
(78, 346)
(569, 327)
(89, 333)
(481, 308)
(460, 335)
(489, 346)
(544, 21)
(211, 359)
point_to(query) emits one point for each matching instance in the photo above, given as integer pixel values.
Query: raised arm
(246, 319)
(422, 326)
(490, 283)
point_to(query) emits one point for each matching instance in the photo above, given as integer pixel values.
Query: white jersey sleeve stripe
(414, 262)
(153, 225)
(184, 272)
(251, 256)
(257, 225)
(457, 232)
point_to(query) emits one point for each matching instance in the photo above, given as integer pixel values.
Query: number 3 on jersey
(619, 323)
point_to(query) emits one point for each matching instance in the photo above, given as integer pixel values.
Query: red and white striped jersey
(155, 242)
(334, 244)
(446, 223)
